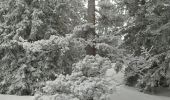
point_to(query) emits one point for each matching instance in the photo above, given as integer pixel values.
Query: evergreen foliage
(32, 43)
(110, 17)
(46, 46)
(146, 35)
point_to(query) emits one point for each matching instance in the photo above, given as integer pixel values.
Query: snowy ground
(128, 93)
(122, 93)
(11, 97)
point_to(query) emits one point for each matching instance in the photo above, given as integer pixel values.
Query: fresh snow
(13, 97)
(123, 93)
(128, 93)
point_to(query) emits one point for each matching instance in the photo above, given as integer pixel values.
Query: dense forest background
(64, 47)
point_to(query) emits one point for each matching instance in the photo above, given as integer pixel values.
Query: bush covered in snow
(148, 73)
(27, 65)
(87, 81)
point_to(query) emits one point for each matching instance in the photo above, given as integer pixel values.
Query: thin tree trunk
(90, 50)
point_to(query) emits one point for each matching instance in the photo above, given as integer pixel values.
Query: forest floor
(128, 93)
(122, 93)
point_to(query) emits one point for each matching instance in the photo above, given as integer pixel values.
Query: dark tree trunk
(90, 50)
(91, 11)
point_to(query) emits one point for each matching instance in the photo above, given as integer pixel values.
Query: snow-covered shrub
(131, 72)
(87, 81)
(104, 49)
(108, 46)
(147, 74)
(39, 61)
(53, 43)
(110, 51)
(92, 66)
(109, 39)
(32, 34)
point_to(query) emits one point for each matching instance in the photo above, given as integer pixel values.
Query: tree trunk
(90, 50)
(91, 11)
